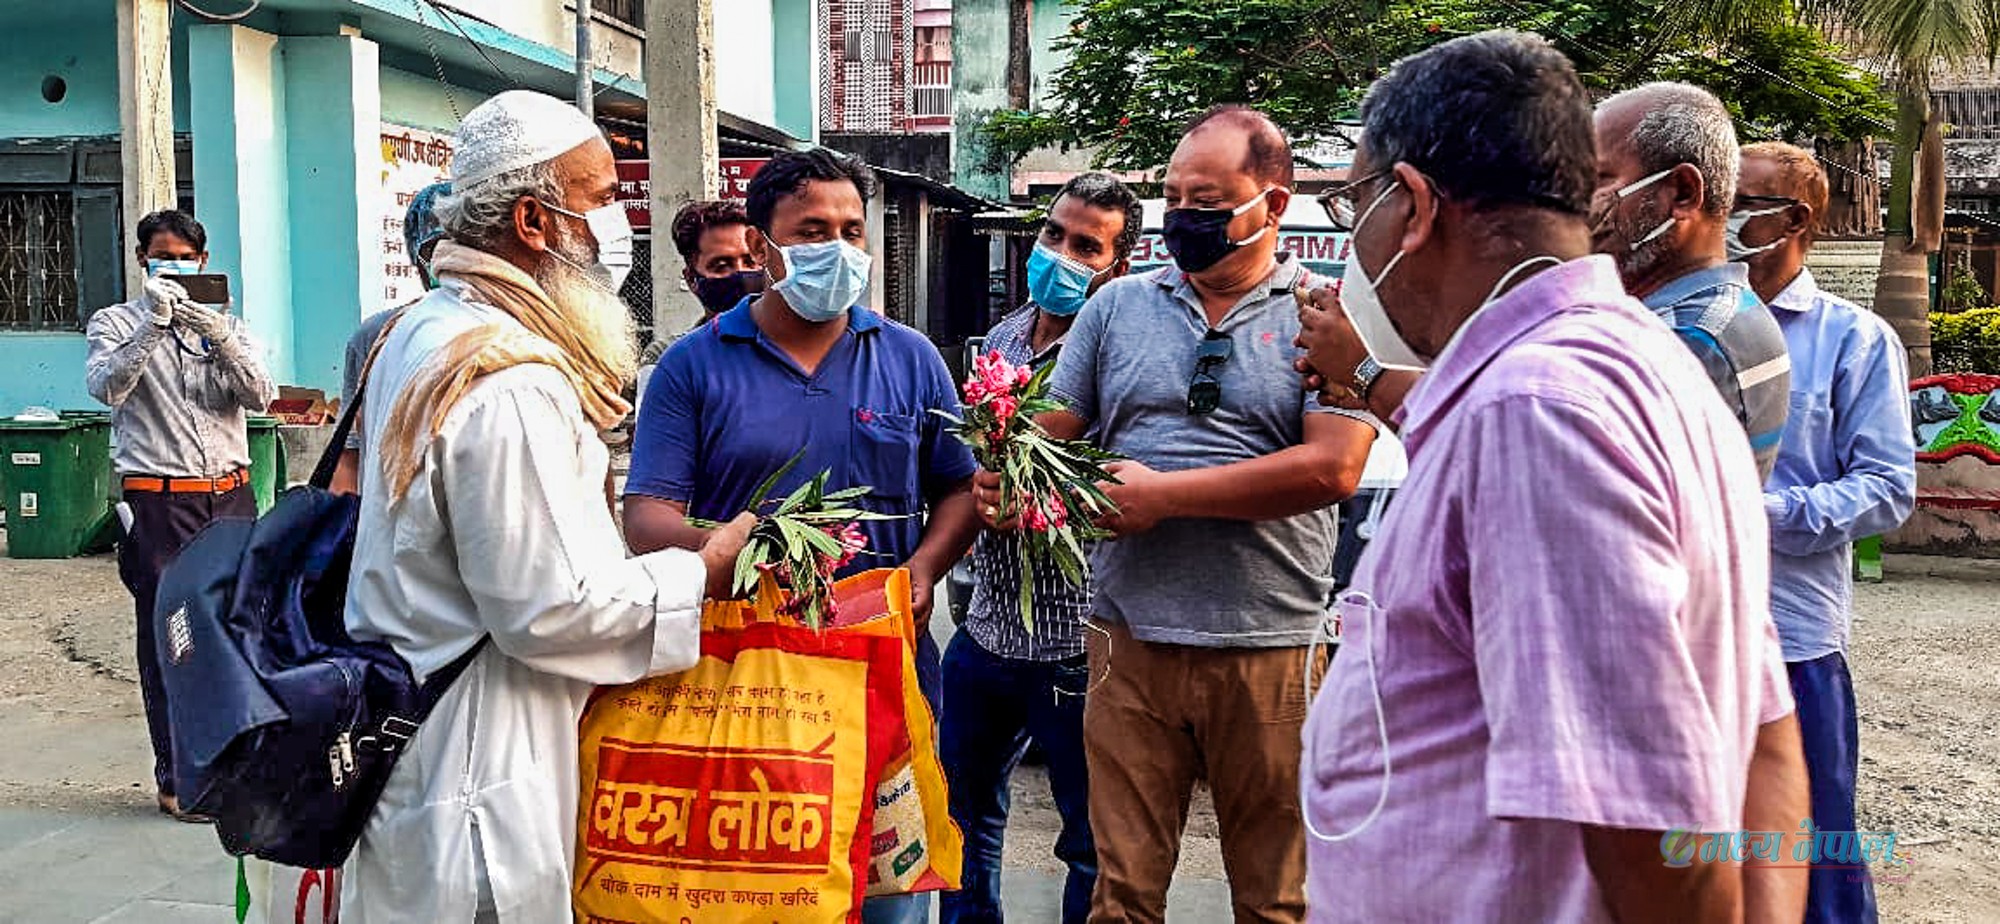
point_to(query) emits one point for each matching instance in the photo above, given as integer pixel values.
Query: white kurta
(504, 533)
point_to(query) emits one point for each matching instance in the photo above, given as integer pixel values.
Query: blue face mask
(1057, 283)
(823, 279)
(172, 267)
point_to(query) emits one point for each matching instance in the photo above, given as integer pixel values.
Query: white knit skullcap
(518, 128)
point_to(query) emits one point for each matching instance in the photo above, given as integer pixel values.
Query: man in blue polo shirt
(806, 366)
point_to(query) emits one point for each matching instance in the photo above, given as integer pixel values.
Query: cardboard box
(301, 407)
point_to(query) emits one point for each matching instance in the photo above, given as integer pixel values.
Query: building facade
(298, 134)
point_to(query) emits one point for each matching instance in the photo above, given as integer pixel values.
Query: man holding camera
(178, 377)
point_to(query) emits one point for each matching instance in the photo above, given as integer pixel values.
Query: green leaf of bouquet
(764, 489)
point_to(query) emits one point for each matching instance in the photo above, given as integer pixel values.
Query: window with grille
(629, 12)
(38, 266)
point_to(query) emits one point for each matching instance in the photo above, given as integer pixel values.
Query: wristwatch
(1365, 375)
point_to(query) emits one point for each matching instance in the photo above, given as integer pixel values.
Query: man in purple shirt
(1559, 651)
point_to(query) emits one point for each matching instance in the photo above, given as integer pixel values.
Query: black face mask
(1199, 238)
(721, 293)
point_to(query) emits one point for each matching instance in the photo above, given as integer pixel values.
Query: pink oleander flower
(993, 377)
(1034, 518)
(1058, 515)
(1004, 408)
(852, 543)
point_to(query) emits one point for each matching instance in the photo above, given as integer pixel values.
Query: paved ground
(80, 842)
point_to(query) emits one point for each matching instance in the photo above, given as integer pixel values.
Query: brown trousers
(1160, 717)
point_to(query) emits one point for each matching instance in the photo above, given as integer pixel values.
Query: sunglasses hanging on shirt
(1204, 393)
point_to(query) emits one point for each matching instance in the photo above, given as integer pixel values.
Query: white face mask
(1626, 192)
(1738, 251)
(612, 231)
(1364, 310)
(1371, 321)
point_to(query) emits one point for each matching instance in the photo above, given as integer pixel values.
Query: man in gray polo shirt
(1220, 573)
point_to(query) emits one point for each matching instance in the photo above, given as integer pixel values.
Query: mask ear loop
(1091, 686)
(1367, 603)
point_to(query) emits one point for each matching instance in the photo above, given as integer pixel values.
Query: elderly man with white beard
(483, 519)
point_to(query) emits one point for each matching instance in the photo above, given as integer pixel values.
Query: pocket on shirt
(883, 454)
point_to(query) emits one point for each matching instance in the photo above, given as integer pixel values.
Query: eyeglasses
(1748, 203)
(1204, 389)
(1343, 203)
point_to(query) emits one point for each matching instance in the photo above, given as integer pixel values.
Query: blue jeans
(993, 706)
(910, 909)
(1824, 692)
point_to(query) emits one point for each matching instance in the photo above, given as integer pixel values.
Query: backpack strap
(329, 459)
(400, 728)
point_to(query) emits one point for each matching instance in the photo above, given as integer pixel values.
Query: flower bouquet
(800, 544)
(1050, 485)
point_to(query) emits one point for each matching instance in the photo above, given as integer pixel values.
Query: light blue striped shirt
(993, 617)
(1848, 468)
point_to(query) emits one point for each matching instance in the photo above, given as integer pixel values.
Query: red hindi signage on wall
(636, 191)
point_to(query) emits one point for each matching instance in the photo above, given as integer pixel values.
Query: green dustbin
(267, 462)
(55, 475)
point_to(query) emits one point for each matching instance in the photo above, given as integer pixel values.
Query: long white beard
(602, 320)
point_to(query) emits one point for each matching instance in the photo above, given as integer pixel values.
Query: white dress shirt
(177, 403)
(504, 533)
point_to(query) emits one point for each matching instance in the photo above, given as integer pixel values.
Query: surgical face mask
(823, 279)
(156, 267)
(613, 233)
(1057, 283)
(1371, 321)
(1739, 251)
(1199, 238)
(721, 293)
(1364, 310)
(1626, 192)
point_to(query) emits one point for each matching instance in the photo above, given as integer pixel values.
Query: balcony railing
(931, 75)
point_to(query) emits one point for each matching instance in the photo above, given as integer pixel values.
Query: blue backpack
(284, 727)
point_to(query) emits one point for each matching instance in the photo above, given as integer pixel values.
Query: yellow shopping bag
(739, 789)
(748, 786)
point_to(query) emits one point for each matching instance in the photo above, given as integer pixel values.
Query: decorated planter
(1957, 423)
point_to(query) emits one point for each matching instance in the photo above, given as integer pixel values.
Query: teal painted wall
(76, 41)
(44, 370)
(335, 179)
(422, 102)
(239, 107)
(795, 86)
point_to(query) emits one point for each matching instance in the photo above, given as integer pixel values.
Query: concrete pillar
(680, 137)
(334, 171)
(145, 114)
(236, 108)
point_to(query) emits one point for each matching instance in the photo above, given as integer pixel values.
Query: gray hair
(483, 217)
(1685, 124)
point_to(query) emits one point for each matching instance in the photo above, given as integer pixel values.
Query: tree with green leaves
(1913, 40)
(1138, 70)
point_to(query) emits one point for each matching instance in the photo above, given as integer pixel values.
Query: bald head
(1663, 125)
(1267, 154)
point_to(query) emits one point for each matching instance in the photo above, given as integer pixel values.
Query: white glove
(203, 320)
(164, 297)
